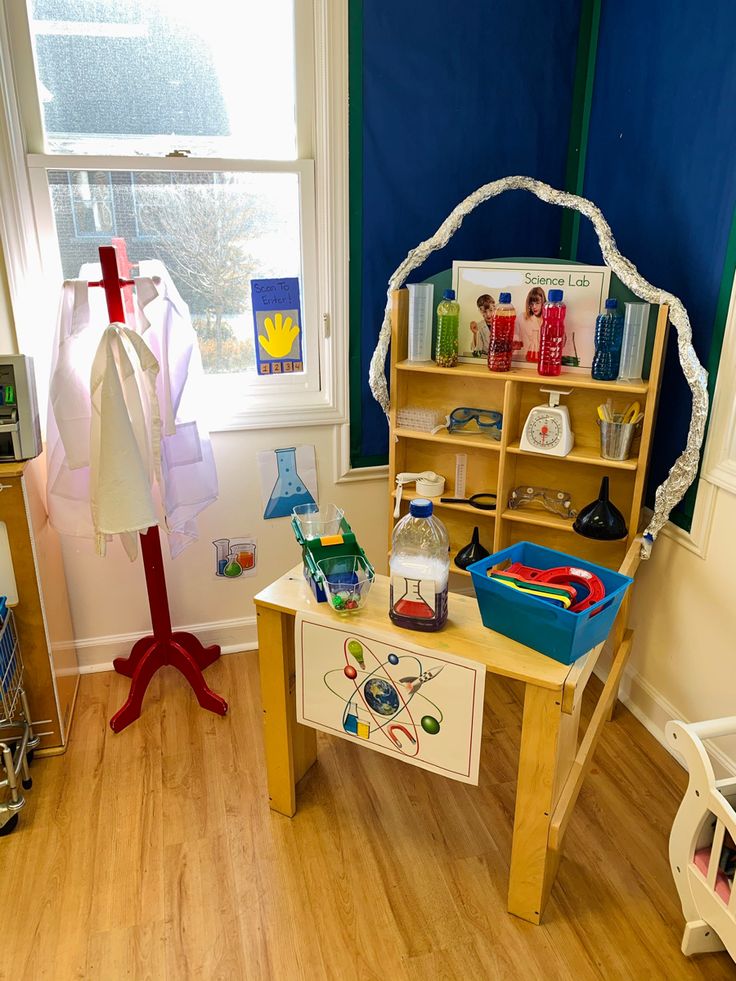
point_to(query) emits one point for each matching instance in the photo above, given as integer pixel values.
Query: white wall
(8, 344)
(683, 662)
(108, 598)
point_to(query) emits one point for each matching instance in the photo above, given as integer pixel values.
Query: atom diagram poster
(420, 706)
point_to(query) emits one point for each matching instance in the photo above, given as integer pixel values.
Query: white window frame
(31, 251)
(719, 461)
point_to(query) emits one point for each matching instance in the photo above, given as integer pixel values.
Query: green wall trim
(582, 100)
(355, 177)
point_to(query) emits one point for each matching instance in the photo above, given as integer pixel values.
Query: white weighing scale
(547, 427)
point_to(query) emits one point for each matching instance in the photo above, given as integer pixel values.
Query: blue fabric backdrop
(455, 96)
(660, 165)
(453, 99)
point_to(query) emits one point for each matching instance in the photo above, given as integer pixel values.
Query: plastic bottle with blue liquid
(609, 331)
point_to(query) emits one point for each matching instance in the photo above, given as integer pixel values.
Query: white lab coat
(185, 467)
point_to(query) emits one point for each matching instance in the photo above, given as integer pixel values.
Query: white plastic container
(421, 304)
(633, 345)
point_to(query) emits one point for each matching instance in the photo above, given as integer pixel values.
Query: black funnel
(600, 519)
(472, 552)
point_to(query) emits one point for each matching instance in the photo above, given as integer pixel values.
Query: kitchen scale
(547, 427)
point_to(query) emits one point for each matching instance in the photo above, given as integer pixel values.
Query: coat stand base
(179, 649)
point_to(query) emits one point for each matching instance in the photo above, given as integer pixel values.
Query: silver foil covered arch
(683, 472)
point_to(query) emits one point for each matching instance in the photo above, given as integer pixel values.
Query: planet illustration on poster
(378, 703)
(381, 696)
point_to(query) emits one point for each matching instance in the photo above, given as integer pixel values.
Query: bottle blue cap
(420, 508)
(504, 298)
(554, 296)
(611, 303)
(448, 295)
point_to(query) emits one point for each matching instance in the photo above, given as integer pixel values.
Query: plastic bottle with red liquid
(501, 341)
(552, 335)
(419, 567)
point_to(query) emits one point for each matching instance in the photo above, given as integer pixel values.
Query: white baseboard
(98, 653)
(654, 711)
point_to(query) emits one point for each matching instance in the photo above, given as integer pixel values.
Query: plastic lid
(554, 296)
(611, 303)
(448, 295)
(504, 298)
(420, 507)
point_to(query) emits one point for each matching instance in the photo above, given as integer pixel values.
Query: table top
(13, 468)
(463, 634)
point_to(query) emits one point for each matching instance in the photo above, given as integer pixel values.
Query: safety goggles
(465, 420)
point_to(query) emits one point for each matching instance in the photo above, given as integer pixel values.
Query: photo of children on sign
(478, 286)
(277, 321)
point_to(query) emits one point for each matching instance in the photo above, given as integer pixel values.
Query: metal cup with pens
(618, 430)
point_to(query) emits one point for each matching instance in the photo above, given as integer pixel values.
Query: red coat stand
(180, 649)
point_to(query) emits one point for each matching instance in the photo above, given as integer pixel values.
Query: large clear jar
(419, 569)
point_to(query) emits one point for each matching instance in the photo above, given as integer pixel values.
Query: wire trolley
(17, 740)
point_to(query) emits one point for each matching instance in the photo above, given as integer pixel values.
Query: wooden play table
(551, 764)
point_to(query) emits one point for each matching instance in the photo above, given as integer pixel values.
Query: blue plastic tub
(540, 625)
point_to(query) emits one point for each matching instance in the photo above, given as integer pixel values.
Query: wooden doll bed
(699, 842)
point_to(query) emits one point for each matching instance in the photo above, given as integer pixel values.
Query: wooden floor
(153, 854)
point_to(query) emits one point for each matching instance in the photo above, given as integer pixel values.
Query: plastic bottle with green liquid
(448, 321)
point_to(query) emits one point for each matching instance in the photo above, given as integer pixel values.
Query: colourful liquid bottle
(501, 342)
(420, 566)
(552, 335)
(448, 321)
(609, 332)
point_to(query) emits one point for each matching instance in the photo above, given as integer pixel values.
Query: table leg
(290, 748)
(533, 863)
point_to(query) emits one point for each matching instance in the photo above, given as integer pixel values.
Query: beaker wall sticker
(288, 477)
(235, 557)
(278, 325)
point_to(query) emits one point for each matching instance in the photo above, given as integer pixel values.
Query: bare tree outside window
(204, 232)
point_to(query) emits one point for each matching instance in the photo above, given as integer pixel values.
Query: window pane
(152, 76)
(214, 233)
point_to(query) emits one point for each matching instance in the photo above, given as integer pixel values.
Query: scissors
(484, 502)
(631, 414)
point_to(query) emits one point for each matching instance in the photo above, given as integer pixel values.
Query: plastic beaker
(348, 580)
(616, 439)
(633, 345)
(315, 521)
(421, 303)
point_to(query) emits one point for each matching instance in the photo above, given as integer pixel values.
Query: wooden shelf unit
(499, 467)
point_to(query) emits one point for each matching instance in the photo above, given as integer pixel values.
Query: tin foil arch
(683, 472)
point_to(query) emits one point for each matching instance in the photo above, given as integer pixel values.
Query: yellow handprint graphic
(281, 333)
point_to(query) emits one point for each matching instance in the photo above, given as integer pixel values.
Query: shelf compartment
(458, 571)
(580, 454)
(481, 443)
(436, 502)
(541, 519)
(609, 554)
(527, 375)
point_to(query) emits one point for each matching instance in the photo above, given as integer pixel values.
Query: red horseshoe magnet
(564, 575)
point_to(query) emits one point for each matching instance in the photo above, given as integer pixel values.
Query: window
(201, 141)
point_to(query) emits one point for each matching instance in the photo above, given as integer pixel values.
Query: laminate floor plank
(152, 855)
